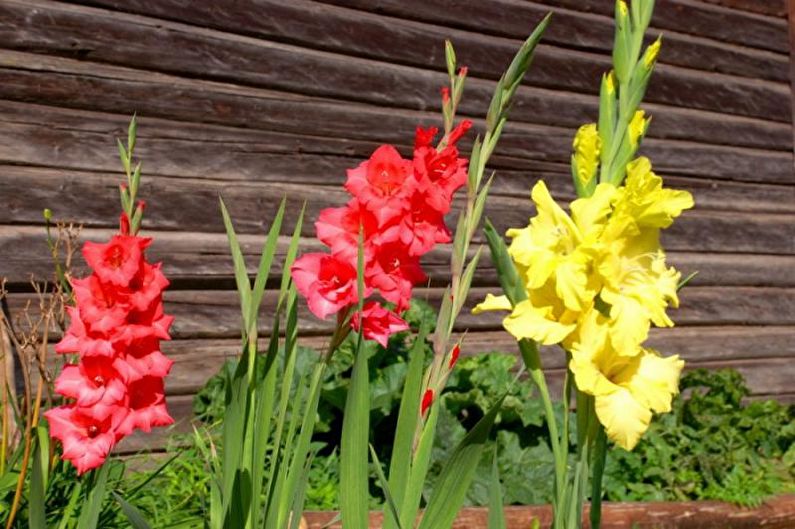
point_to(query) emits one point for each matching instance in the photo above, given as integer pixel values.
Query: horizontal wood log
(216, 314)
(699, 18)
(512, 18)
(192, 260)
(91, 86)
(776, 513)
(49, 136)
(186, 50)
(776, 8)
(192, 205)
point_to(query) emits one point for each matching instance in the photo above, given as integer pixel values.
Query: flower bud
(454, 354)
(637, 127)
(587, 147)
(47, 214)
(427, 400)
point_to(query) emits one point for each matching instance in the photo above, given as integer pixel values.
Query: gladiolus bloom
(379, 323)
(398, 207)
(115, 329)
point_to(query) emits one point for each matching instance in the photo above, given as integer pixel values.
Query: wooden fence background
(255, 99)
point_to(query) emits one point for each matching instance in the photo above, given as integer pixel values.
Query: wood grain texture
(697, 17)
(89, 33)
(91, 86)
(298, 19)
(777, 513)
(255, 99)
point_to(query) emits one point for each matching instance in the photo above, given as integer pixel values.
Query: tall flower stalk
(594, 281)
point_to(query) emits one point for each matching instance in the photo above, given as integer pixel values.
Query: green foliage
(712, 446)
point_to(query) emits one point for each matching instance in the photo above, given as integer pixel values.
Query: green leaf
(38, 486)
(496, 509)
(354, 443)
(408, 415)
(385, 486)
(509, 278)
(454, 480)
(241, 275)
(89, 513)
(134, 516)
(263, 270)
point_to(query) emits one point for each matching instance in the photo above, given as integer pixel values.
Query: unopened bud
(445, 95)
(124, 224)
(463, 71)
(47, 214)
(651, 53)
(427, 400)
(637, 127)
(454, 354)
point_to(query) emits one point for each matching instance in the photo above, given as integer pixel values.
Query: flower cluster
(115, 329)
(596, 280)
(398, 205)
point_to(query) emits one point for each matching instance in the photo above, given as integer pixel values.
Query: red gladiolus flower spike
(398, 205)
(115, 329)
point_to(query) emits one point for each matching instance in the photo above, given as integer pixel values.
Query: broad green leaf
(263, 270)
(408, 415)
(89, 513)
(419, 468)
(496, 508)
(241, 275)
(382, 481)
(38, 487)
(134, 516)
(456, 476)
(354, 491)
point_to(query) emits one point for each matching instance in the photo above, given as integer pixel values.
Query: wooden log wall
(257, 99)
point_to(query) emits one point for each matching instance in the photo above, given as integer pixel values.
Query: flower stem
(600, 453)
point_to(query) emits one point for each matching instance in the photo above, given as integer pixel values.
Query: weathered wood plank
(216, 313)
(776, 8)
(182, 204)
(776, 513)
(50, 136)
(697, 18)
(194, 260)
(513, 19)
(92, 34)
(91, 86)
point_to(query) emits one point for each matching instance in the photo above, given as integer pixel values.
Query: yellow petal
(492, 302)
(527, 321)
(624, 418)
(572, 283)
(590, 214)
(629, 324)
(655, 380)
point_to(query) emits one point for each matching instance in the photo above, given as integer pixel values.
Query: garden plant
(393, 414)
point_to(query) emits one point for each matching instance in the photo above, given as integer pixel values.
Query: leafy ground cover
(714, 445)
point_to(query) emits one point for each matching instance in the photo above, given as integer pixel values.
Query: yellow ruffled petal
(624, 418)
(527, 321)
(492, 302)
(590, 214)
(655, 380)
(629, 324)
(571, 284)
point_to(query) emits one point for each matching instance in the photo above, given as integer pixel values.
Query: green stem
(600, 453)
(532, 360)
